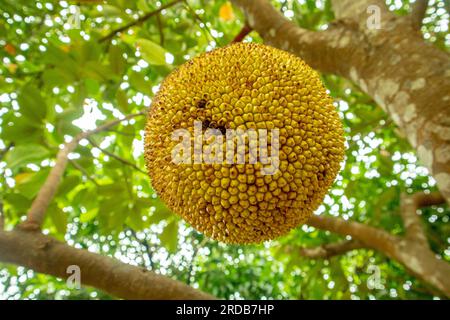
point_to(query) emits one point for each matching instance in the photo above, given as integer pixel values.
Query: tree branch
(369, 236)
(83, 171)
(411, 220)
(246, 29)
(329, 250)
(206, 30)
(139, 20)
(114, 156)
(148, 250)
(360, 9)
(423, 199)
(194, 255)
(415, 256)
(46, 255)
(161, 29)
(36, 214)
(2, 216)
(335, 44)
(418, 12)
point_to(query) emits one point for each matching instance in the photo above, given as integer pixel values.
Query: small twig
(138, 21)
(148, 249)
(36, 214)
(283, 6)
(206, 29)
(121, 133)
(83, 171)
(2, 216)
(161, 30)
(246, 29)
(194, 255)
(418, 12)
(114, 156)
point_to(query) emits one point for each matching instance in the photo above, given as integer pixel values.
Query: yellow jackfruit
(247, 87)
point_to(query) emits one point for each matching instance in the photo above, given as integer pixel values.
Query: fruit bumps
(244, 87)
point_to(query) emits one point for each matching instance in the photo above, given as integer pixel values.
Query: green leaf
(161, 212)
(57, 77)
(24, 154)
(151, 52)
(117, 217)
(169, 237)
(68, 184)
(89, 215)
(96, 71)
(134, 219)
(92, 86)
(31, 103)
(116, 60)
(58, 218)
(137, 80)
(122, 101)
(143, 6)
(18, 202)
(28, 184)
(21, 130)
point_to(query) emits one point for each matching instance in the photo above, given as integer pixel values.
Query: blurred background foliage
(61, 73)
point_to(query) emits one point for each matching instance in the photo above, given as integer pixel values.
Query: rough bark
(371, 237)
(420, 261)
(43, 254)
(411, 220)
(412, 250)
(330, 250)
(407, 77)
(418, 12)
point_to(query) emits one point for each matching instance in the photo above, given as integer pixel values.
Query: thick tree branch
(416, 257)
(335, 44)
(327, 251)
(361, 10)
(423, 199)
(411, 220)
(46, 255)
(418, 12)
(138, 21)
(369, 236)
(36, 214)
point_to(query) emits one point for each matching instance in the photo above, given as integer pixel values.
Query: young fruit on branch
(234, 93)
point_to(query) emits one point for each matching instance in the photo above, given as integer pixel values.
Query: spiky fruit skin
(244, 86)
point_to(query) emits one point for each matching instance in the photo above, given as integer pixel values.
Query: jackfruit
(244, 86)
